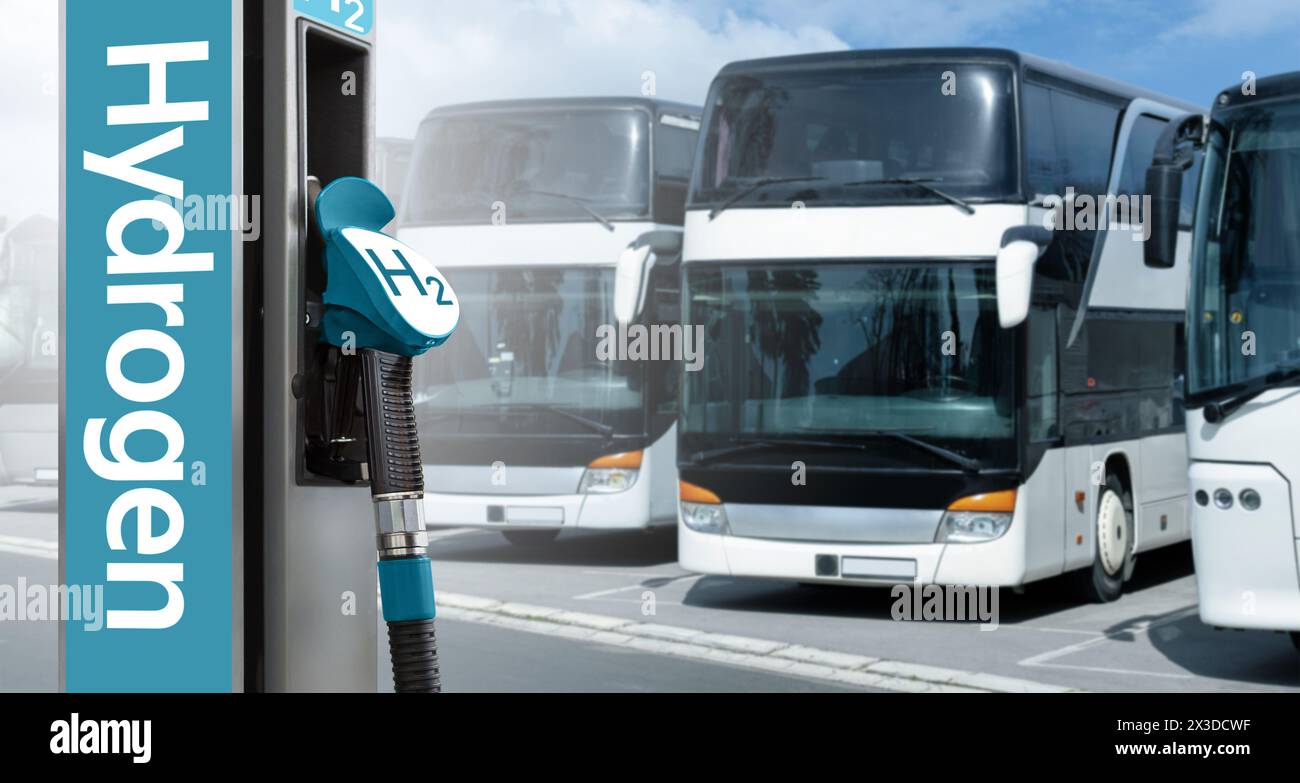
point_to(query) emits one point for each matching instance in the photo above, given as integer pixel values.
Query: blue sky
(457, 50)
(433, 52)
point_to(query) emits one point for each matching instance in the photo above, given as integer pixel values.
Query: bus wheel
(1113, 561)
(530, 538)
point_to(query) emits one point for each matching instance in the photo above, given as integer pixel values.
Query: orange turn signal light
(1004, 501)
(623, 459)
(693, 494)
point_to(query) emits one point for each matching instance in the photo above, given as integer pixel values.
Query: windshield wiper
(1238, 394)
(960, 460)
(738, 446)
(755, 186)
(924, 184)
(759, 444)
(575, 200)
(591, 424)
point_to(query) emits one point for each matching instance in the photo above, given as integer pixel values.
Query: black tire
(530, 538)
(1100, 584)
(1295, 639)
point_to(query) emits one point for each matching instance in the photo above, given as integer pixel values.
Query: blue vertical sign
(148, 474)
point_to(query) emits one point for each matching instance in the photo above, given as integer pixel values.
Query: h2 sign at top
(355, 16)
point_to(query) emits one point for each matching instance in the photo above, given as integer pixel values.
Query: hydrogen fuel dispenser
(336, 341)
(268, 352)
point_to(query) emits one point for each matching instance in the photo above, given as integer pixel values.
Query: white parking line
(1045, 659)
(30, 547)
(775, 657)
(599, 594)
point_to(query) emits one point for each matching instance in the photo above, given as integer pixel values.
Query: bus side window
(1137, 158)
(674, 155)
(665, 381)
(1187, 197)
(1043, 165)
(1041, 374)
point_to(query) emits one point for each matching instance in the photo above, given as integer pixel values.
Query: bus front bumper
(616, 511)
(1247, 572)
(998, 563)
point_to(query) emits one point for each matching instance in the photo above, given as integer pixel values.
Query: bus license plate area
(525, 516)
(889, 569)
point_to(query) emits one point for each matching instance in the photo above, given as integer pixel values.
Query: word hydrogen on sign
(126, 166)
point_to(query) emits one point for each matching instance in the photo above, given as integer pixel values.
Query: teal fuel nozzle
(385, 304)
(380, 292)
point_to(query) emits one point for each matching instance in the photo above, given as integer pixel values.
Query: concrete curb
(778, 657)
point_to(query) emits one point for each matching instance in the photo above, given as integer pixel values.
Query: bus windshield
(852, 349)
(530, 166)
(523, 360)
(1244, 320)
(834, 129)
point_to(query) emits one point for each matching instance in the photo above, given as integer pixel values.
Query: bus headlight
(977, 518)
(702, 510)
(611, 473)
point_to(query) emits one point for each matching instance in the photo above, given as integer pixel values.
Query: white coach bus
(906, 376)
(1243, 359)
(526, 206)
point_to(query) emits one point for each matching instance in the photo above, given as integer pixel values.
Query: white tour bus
(1243, 349)
(526, 206)
(907, 377)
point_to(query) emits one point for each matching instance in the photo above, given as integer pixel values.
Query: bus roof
(596, 102)
(1282, 85)
(1019, 60)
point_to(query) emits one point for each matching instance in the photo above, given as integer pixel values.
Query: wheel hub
(1112, 532)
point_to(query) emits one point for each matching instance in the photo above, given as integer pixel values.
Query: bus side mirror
(1164, 185)
(1021, 247)
(632, 272)
(1174, 153)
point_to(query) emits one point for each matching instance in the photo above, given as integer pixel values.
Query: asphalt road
(481, 658)
(1150, 640)
(28, 548)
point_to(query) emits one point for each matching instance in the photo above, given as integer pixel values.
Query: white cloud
(1238, 19)
(432, 54)
(891, 23)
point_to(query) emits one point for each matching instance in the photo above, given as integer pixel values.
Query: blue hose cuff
(406, 588)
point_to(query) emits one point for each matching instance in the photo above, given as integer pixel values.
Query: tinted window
(1118, 378)
(528, 344)
(842, 349)
(840, 127)
(1245, 305)
(542, 165)
(1040, 372)
(1043, 164)
(1085, 134)
(1068, 141)
(675, 151)
(1137, 158)
(1187, 198)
